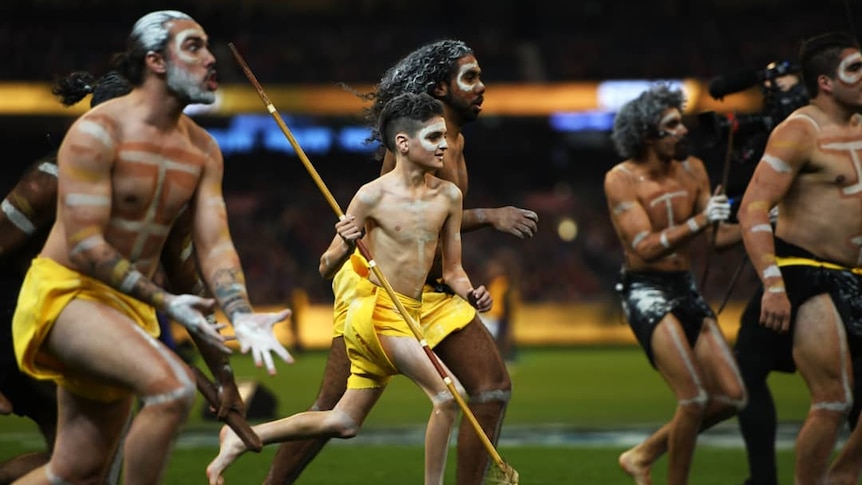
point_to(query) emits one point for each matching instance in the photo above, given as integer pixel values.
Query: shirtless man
(447, 70)
(405, 213)
(810, 265)
(659, 201)
(86, 313)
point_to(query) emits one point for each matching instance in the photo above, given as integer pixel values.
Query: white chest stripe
(17, 217)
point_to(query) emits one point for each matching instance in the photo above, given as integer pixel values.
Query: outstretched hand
(254, 332)
(480, 299)
(521, 223)
(188, 311)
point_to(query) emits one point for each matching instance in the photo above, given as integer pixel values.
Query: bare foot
(230, 447)
(632, 464)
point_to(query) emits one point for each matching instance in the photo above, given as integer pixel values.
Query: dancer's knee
(840, 407)
(696, 404)
(342, 425)
(174, 394)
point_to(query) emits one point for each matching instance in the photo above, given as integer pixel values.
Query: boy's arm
(453, 271)
(348, 229)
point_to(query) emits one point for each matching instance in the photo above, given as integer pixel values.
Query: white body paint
(852, 147)
(97, 131)
(147, 227)
(49, 168)
(777, 164)
(462, 85)
(18, 218)
(762, 228)
(844, 73)
(77, 200)
(771, 271)
(439, 127)
(667, 200)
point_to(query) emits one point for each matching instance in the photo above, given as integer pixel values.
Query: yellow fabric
(343, 287)
(797, 261)
(372, 313)
(47, 289)
(443, 314)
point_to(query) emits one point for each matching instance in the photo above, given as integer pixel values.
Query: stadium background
(555, 73)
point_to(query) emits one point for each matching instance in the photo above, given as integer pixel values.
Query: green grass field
(573, 389)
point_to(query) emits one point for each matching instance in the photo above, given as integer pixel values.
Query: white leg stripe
(17, 217)
(187, 387)
(488, 396)
(762, 228)
(701, 397)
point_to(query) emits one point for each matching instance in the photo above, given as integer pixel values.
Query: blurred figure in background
(659, 201)
(502, 274)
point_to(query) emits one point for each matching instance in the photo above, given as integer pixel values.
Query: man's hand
(254, 332)
(188, 311)
(775, 309)
(718, 208)
(521, 223)
(480, 299)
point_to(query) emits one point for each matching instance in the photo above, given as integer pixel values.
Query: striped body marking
(667, 200)
(148, 227)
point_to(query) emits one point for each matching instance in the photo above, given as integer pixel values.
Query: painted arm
(453, 271)
(221, 270)
(348, 230)
(633, 225)
(29, 207)
(787, 151)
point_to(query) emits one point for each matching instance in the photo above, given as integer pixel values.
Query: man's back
(821, 211)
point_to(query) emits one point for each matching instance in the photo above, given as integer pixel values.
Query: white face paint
(463, 84)
(849, 73)
(180, 39)
(179, 79)
(671, 123)
(428, 143)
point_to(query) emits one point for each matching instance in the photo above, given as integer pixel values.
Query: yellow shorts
(372, 313)
(443, 314)
(343, 287)
(47, 289)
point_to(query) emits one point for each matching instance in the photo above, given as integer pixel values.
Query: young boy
(406, 214)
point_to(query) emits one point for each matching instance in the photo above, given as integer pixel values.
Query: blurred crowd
(331, 41)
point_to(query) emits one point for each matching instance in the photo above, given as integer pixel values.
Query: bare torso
(404, 227)
(154, 175)
(821, 211)
(668, 199)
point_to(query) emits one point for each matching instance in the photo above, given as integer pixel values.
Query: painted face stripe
(18, 218)
(463, 86)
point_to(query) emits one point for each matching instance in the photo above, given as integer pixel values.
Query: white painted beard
(180, 82)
